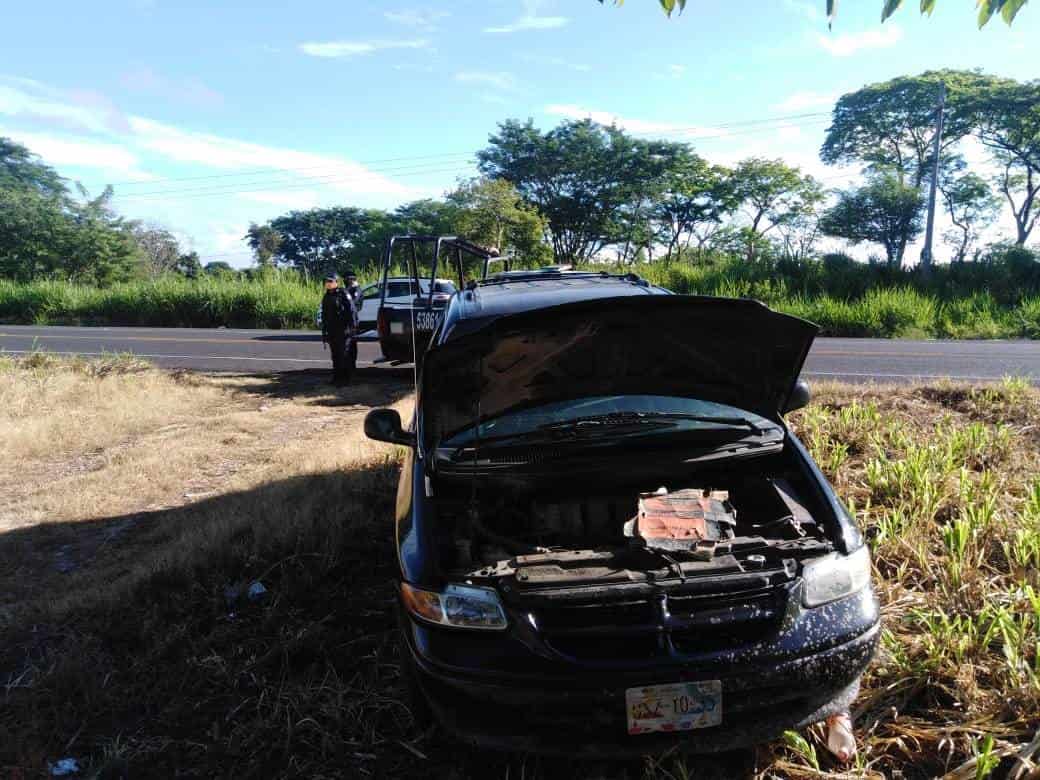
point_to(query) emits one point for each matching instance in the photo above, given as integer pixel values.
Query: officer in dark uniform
(339, 329)
(353, 290)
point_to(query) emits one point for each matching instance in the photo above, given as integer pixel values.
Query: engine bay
(710, 524)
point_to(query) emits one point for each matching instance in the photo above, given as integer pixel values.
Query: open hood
(727, 350)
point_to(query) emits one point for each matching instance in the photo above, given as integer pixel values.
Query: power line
(306, 180)
(442, 155)
(282, 182)
(211, 193)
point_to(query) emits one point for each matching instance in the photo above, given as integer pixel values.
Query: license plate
(674, 707)
(397, 328)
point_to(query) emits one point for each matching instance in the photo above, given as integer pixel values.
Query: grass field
(139, 504)
(1000, 299)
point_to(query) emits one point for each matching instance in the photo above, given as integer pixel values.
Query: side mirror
(800, 396)
(385, 425)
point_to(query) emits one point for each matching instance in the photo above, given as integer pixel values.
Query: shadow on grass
(372, 386)
(147, 659)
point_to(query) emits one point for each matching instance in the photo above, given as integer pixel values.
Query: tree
(492, 213)
(218, 268)
(101, 247)
(695, 194)
(593, 184)
(891, 125)
(427, 217)
(971, 205)
(159, 247)
(884, 211)
(772, 192)
(1008, 9)
(319, 241)
(265, 242)
(34, 230)
(1005, 117)
(21, 170)
(189, 265)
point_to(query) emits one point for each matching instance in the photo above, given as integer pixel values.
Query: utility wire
(283, 183)
(441, 155)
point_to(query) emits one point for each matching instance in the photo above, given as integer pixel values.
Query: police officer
(338, 330)
(354, 290)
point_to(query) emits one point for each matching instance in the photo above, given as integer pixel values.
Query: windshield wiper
(616, 419)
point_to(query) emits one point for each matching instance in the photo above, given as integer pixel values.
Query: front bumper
(581, 712)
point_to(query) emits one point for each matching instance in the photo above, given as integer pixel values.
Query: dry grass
(127, 642)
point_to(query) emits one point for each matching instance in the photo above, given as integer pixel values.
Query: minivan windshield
(619, 410)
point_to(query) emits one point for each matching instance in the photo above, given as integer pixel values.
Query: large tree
(265, 242)
(159, 248)
(592, 183)
(884, 211)
(22, 170)
(771, 192)
(972, 206)
(891, 125)
(319, 241)
(492, 213)
(1005, 118)
(695, 194)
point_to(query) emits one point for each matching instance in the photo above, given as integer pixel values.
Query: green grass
(999, 299)
(138, 665)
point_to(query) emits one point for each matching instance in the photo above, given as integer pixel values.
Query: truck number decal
(426, 320)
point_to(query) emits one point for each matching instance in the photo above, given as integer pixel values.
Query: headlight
(835, 576)
(458, 606)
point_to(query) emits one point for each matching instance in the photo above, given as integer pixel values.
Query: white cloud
(806, 99)
(228, 153)
(335, 49)
(415, 17)
(847, 44)
(79, 109)
(642, 126)
(83, 153)
(556, 62)
(530, 20)
(677, 70)
(496, 79)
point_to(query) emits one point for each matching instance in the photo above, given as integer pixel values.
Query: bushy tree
(319, 241)
(265, 242)
(972, 206)
(21, 170)
(884, 211)
(492, 213)
(159, 247)
(593, 184)
(696, 197)
(772, 193)
(1005, 117)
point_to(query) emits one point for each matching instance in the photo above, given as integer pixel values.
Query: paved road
(286, 350)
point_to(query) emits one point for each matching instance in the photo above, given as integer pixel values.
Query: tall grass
(999, 299)
(274, 302)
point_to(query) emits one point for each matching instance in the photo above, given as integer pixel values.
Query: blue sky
(206, 116)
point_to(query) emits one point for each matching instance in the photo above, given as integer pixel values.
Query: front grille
(661, 626)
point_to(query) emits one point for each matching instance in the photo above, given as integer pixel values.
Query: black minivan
(609, 541)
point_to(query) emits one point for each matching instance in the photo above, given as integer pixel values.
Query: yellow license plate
(674, 707)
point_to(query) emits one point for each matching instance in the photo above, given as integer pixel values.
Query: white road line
(185, 357)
